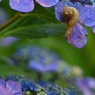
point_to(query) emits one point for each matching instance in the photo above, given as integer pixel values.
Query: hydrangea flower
(28, 5)
(41, 87)
(86, 17)
(40, 60)
(44, 61)
(10, 88)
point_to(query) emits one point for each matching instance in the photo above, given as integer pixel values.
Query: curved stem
(10, 21)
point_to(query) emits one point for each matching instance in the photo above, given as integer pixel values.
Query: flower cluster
(86, 16)
(10, 87)
(40, 88)
(42, 60)
(39, 59)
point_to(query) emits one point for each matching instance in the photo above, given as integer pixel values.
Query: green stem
(10, 21)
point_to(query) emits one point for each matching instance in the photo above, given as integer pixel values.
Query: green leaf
(33, 27)
(37, 31)
(39, 23)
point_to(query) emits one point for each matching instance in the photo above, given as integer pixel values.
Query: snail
(70, 17)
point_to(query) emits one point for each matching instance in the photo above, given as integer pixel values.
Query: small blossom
(86, 17)
(7, 41)
(28, 5)
(10, 88)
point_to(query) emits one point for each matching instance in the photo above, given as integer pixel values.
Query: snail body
(70, 17)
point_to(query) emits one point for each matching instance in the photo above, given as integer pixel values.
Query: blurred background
(49, 58)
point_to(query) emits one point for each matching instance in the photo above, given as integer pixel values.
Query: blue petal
(22, 5)
(47, 3)
(13, 86)
(87, 16)
(89, 22)
(38, 66)
(78, 38)
(78, 6)
(59, 7)
(84, 13)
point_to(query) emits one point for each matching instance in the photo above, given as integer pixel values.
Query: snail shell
(70, 17)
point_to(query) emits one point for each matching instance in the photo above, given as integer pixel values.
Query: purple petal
(78, 38)
(4, 91)
(35, 65)
(47, 3)
(89, 22)
(51, 67)
(93, 29)
(13, 86)
(22, 5)
(59, 7)
(87, 16)
(7, 41)
(78, 6)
